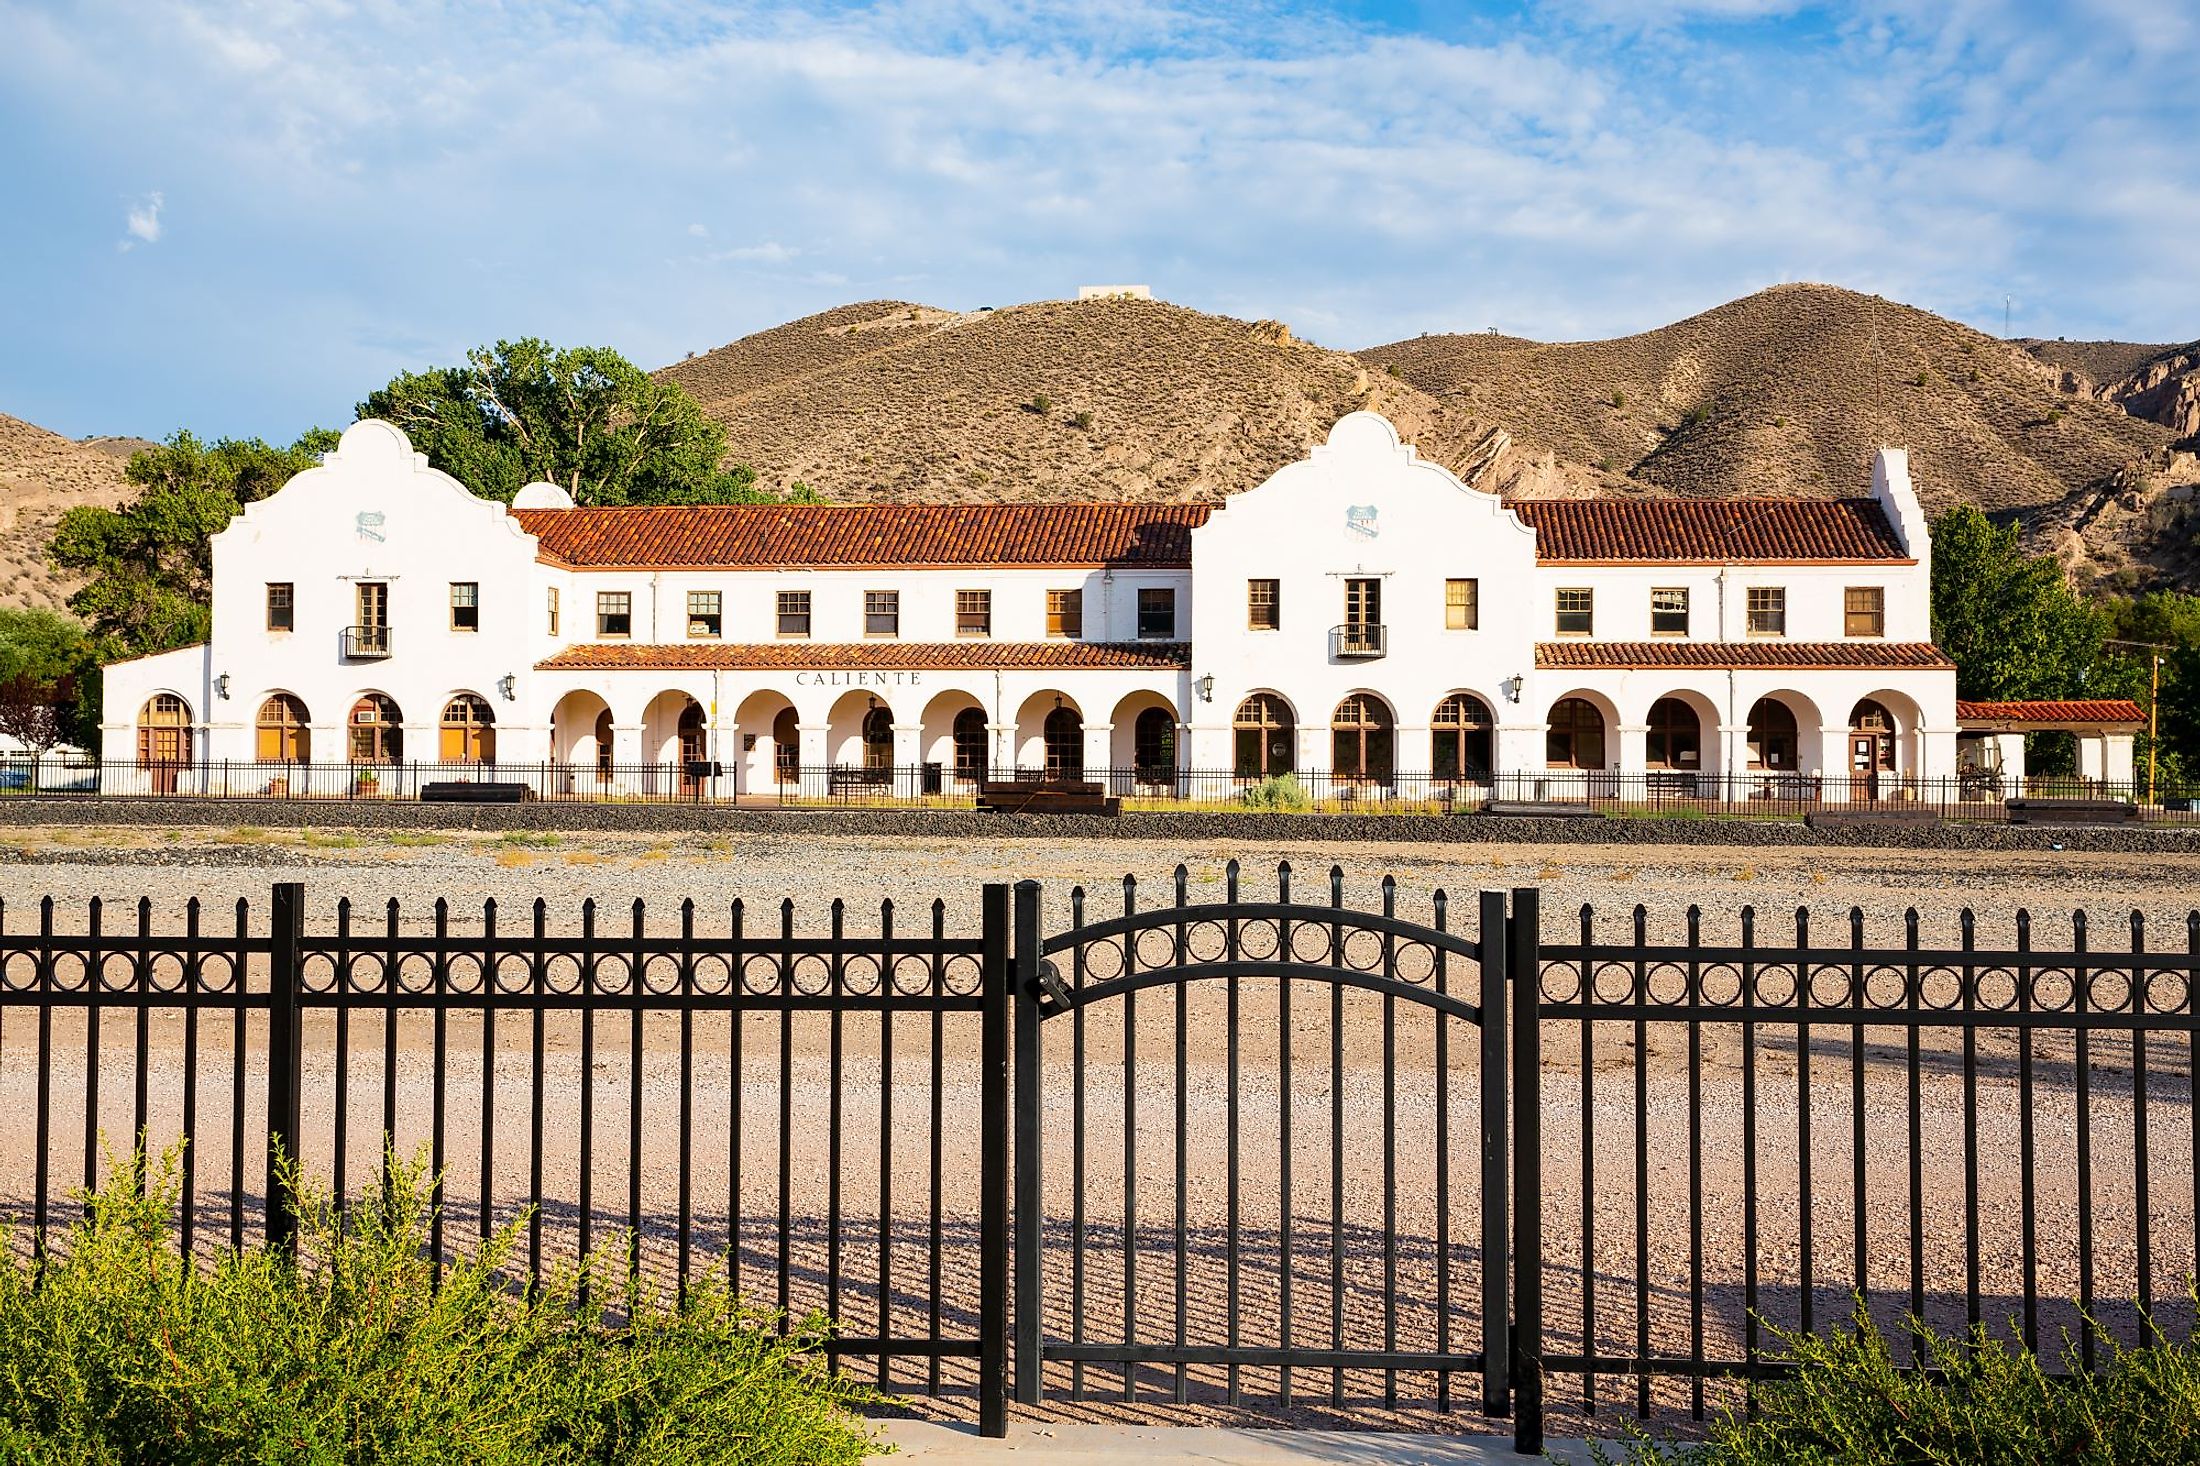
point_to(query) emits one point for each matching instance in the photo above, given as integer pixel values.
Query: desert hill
(1788, 391)
(42, 475)
(2158, 383)
(1115, 399)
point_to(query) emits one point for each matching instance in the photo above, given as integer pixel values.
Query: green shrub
(1040, 403)
(348, 1351)
(1618, 398)
(1282, 794)
(1081, 419)
(1991, 1402)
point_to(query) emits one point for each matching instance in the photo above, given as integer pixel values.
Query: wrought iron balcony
(366, 643)
(1358, 641)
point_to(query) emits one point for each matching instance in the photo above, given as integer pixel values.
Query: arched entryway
(969, 737)
(1265, 737)
(1873, 755)
(377, 731)
(581, 737)
(1673, 751)
(469, 734)
(281, 735)
(1460, 736)
(1063, 738)
(1775, 736)
(1362, 740)
(164, 740)
(1153, 746)
(1575, 736)
(786, 747)
(770, 742)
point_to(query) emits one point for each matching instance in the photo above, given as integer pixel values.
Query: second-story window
(973, 613)
(1156, 613)
(1066, 613)
(465, 605)
(1669, 611)
(1864, 611)
(1462, 605)
(1577, 611)
(706, 613)
(1264, 605)
(614, 613)
(794, 613)
(553, 610)
(1768, 610)
(882, 613)
(281, 606)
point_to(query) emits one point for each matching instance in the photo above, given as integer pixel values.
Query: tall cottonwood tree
(584, 418)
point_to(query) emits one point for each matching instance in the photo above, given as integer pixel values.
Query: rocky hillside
(42, 475)
(2158, 383)
(1066, 400)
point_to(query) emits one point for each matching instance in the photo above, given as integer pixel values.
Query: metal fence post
(1030, 1308)
(1524, 954)
(1496, 1153)
(284, 1057)
(993, 1164)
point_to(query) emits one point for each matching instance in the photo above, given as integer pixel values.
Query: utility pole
(2154, 698)
(2005, 318)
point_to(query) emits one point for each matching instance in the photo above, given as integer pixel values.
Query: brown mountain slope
(1788, 391)
(42, 475)
(1143, 400)
(2158, 383)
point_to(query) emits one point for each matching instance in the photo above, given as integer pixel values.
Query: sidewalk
(934, 1444)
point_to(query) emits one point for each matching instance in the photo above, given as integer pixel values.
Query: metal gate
(1253, 1289)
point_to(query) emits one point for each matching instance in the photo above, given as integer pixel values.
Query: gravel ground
(1388, 1211)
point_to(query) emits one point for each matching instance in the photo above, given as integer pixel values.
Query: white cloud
(454, 174)
(142, 223)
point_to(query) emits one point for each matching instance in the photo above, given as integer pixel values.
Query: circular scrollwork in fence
(1772, 985)
(2108, 989)
(1940, 989)
(1719, 985)
(2054, 989)
(1102, 959)
(2166, 993)
(1994, 989)
(1559, 982)
(1829, 985)
(1886, 987)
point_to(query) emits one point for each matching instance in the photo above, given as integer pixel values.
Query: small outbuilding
(1990, 738)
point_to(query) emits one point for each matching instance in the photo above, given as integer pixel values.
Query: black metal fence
(1325, 1153)
(1662, 794)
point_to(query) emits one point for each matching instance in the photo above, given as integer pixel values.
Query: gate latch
(1053, 994)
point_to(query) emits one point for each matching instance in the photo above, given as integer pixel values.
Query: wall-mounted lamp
(221, 687)
(1511, 687)
(507, 685)
(1205, 687)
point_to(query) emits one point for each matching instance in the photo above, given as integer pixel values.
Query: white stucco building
(1359, 619)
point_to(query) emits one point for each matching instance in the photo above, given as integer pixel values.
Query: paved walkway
(933, 1444)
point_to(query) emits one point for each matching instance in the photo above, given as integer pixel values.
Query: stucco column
(725, 750)
(1099, 755)
(1004, 749)
(2089, 756)
(1411, 760)
(2011, 749)
(1208, 751)
(1520, 751)
(908, 753)
(810, 739)
(1313, 758)
(1733, 764)
(2119, 752)
(1936, 755)
(1634, 749)
(1833, 763)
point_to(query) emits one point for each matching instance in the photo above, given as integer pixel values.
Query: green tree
(2169, 620)
(586, 419)
(49, 682)
(148, 563)
(2010, 621)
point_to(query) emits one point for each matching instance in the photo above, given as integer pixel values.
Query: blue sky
(239, 217)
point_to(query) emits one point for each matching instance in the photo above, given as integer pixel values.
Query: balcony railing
(366, 643)
(1358, 641)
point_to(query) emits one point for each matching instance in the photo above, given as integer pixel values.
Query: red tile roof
(1568, 531)
(973, 655)
(1738, 655)
(1782, 531)
(903, 535)
(2084, 710)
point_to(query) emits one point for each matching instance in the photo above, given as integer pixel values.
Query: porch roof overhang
(797, 656)
(2047, 715)
(1740, 656)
